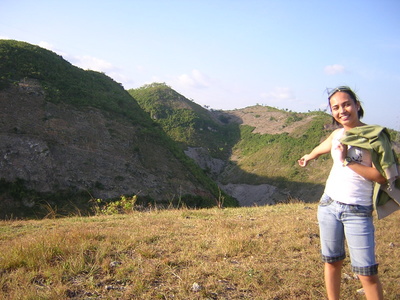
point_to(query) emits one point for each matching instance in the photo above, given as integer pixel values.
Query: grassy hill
(64, 82)
(117, 148)
(274, 155)
(185, 121)
(269, 252)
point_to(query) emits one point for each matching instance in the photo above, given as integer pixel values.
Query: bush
(122, 206)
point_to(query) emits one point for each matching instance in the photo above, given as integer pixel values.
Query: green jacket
(386, 198)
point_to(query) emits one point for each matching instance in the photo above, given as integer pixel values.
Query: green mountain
(185, 121)
(68, 136)
(63, 82)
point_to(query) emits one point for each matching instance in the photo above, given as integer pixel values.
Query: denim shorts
(354, 223)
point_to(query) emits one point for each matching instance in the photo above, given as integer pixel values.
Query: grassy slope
(185, 121)
(237, 253)
(274, 156)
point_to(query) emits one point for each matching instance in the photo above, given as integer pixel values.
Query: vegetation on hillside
(185, 121)
(64, 82)
(281, 151)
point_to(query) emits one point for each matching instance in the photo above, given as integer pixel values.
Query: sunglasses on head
(330, 92)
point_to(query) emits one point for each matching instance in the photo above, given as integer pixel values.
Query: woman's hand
(304, 160)
(323, 148)
(342, 148)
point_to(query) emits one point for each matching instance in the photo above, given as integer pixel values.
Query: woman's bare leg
(333, 278)
(372, 287)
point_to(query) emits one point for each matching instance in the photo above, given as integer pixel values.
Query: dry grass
(237, 253)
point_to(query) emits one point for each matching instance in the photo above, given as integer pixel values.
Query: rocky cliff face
(245, 194)
(60, 147)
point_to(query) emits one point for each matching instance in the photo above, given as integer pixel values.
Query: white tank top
(345, 185)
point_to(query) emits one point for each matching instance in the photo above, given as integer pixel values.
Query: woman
(345, 209)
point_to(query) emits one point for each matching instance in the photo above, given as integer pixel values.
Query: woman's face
(345, 110)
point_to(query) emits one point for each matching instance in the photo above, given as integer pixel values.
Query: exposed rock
(245, 194)
(251, 195)
(201, 156)
(196, 287)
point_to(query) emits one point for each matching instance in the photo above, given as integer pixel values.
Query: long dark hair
(353, 96)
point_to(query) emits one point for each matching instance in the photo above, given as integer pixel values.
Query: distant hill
(187, 122)
(69, 135)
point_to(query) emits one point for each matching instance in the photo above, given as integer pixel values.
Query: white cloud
(85, 62)
(280, 97)
(334, 69)
(50, 47)
(279, 94)
(88, 62)
(92, 63)
(195, 79)
(46, 45)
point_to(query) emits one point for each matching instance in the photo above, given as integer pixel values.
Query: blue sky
(228, 54)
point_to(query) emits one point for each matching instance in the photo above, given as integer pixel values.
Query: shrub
(122, 206)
